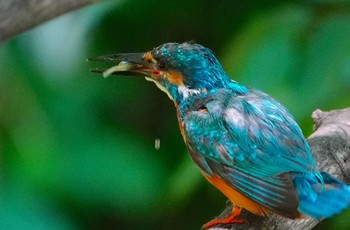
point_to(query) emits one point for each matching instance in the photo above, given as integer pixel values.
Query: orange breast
(236, 197)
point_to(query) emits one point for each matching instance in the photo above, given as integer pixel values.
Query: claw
(231, 219)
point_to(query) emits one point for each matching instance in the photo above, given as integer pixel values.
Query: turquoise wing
(252, 143)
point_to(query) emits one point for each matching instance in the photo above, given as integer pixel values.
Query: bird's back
(249, 141)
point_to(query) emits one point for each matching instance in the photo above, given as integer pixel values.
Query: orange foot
(227, 220)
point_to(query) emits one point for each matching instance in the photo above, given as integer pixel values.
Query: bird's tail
(321, 195)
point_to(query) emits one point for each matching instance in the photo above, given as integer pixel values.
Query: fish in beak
(130, 64)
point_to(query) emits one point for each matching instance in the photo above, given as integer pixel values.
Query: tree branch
(330, 144)
(17, 16)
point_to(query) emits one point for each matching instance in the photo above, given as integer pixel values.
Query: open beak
(126, 64)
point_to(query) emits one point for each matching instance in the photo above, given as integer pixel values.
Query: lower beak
(127, 64)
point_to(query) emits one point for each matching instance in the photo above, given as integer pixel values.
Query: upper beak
(127, 64)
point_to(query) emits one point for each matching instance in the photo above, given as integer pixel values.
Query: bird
(243, 141)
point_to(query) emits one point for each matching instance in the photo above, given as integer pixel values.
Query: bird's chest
(184, 117)
(181, 123)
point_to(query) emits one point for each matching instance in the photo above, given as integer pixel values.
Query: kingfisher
(244, 142)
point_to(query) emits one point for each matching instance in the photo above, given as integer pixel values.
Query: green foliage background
(77, 151)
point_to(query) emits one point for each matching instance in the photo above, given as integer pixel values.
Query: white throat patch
(186, 92)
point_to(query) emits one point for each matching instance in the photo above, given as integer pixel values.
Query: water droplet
(157, 143)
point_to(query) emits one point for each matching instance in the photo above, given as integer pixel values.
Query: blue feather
(321, 200)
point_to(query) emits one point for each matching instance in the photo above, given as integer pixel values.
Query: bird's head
(180, 70)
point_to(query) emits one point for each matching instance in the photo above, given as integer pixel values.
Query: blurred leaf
(264, 52)
(21, 208)
(327, 64)
(112, 171)
(183, 182)
(29, 131)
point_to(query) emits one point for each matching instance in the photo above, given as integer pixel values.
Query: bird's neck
(194, 99)
(182, 93)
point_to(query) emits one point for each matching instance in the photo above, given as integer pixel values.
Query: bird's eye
(162, 64)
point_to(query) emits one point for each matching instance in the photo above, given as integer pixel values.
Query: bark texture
(17, 16)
